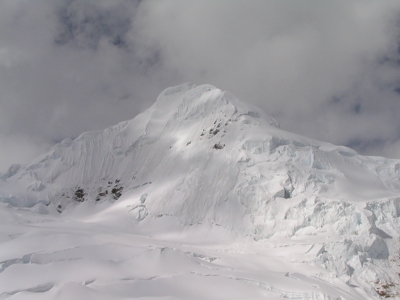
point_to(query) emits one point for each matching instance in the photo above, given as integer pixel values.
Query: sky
(329, 70)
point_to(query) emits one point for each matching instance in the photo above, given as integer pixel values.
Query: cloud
(324, 69)
(86, 23)
(16, 148)
(328, 70)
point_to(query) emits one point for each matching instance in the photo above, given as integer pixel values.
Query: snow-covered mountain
(201, 164)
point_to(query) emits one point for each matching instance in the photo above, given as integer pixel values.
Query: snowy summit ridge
(200, 158)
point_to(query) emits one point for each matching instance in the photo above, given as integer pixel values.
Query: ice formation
(200, 162)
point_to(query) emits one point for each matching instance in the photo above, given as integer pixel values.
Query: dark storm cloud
(328, 70)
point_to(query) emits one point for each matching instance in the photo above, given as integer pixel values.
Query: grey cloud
(292, 59)
(86, 23)
(328, 70)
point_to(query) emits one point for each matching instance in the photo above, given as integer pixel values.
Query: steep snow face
(199, 157)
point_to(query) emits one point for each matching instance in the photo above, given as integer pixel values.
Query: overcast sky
(329, 70)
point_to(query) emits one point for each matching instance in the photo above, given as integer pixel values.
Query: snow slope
(200, 190)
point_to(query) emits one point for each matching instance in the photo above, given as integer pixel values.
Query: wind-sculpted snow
(200, 164)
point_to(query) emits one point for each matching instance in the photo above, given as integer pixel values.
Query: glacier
(202, 196)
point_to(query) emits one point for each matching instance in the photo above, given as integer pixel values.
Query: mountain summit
(200, 158)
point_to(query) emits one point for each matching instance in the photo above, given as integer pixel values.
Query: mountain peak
(189, 101)
(201, 158)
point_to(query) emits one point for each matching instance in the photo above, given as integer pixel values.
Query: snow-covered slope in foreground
(200, 197)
